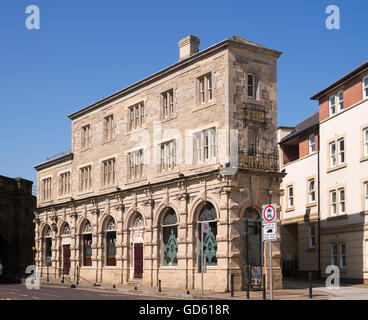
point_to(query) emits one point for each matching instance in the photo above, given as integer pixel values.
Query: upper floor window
(337, 152)
(108, 127)
(366, 195)
(333, 202)
(312, 143)
(332, 154)
(365, 142)
(365, 87)
(336, 102)
(341, 145)
(206, 145)
(64, 184)
(167, 104)
(85, 179)
(206, 89)
(311, 191)
(136, 164)
(252, 140)
(341, 201)
(290, 195)
(168, 155)
(251, 86)
(108, 168)
(136, 116)
(46, 189)
(86, 138)
(337, 201)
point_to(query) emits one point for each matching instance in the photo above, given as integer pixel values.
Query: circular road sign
(269, 213)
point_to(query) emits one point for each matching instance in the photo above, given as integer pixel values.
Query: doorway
(138, 260)
(66, 259)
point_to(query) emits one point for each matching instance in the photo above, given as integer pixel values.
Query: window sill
(341, 166)
(169, 268)
(169, 172)
(362, 159)
(203, 106)
(364, 213)
(168, 118)
(104, 188)
(136, 180)
(337, 217)
(311, 205)
(290, 209)
(64, 197)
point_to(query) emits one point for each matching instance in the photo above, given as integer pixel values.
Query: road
(20, 292)
(347, 293)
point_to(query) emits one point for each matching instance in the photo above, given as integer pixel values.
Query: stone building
(192, 144)
(325, 207)
(16, 224)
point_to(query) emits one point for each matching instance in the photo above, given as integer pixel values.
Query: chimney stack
(188, 46)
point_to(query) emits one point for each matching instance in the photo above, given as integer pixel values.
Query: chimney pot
(188, 46)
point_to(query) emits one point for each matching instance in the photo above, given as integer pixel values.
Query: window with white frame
(205, 88)
(206, 146)
(251, 86)
(46, 189)
(136, 164)
(64, 184)
(311, 191)
(332, 105)
(108, 172)
(333, 202)
(290, 195)
(340, 99)
(85, 179)
(365, 87)
(108, 127)
(312, 236)
(167, 104)
(312, 143)
(341, 144)
(334, 254)
(341, 201)
(168, 155)
(332, 154)
(366, 195)
(86, 139)
(136, 116)
(365, 142)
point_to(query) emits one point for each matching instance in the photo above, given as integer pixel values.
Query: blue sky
(86, 50)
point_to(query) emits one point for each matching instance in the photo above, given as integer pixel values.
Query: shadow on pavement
(9, 280)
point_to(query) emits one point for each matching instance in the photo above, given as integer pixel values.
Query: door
(138, 260)
(66, 259)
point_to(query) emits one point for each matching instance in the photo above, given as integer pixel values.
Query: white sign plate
(269, 213)
(269, 231)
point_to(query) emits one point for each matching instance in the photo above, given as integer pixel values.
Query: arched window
(66, 229)
(48, 246)
(110, 243)
(208, 215)
(87, 244)
(252, 219)
(138, 221)
(169, 239)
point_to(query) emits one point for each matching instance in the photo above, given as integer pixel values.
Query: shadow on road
(5, 280)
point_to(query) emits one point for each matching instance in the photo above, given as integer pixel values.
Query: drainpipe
(319, 204)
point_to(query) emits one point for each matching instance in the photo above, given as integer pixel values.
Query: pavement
(54, 289)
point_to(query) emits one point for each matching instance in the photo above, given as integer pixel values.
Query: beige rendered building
(191, 144)
(326, 186)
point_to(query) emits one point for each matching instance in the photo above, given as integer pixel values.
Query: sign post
(269, 232)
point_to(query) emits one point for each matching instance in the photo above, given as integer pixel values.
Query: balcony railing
(59, 155)
(258, 161)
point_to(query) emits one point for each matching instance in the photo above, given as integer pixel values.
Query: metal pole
(77, 275)
(246, 240)
(271, 288)
(202, 256)
(310, 285)
(159, 285)
(62, 281)
(264, 286)
(48, 273)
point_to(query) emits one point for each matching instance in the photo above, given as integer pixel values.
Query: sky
(86, 50)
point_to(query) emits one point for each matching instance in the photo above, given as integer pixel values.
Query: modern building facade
(192, 144)
(16, 225)
(336, 172)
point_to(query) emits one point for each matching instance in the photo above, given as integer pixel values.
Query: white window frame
(312, 143)
(108, 172)
(312, 192)
(365, 142)
(206, 140)
(64, 183)
(342, 202)
(206, 88)
(340, 101)
(365, 87)
(86, 136)
(85, 178)
(341, 151)
(333, 159)
(290, 197)
(136, 164)
(168, 155)
(333, 204)
(109, 127)
(366, 195)
(332, 106)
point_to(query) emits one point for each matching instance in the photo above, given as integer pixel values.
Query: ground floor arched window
(48, 246)
(111, 243)
(252, 220)
(208, 215)
(87, 244)
(169, 239)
